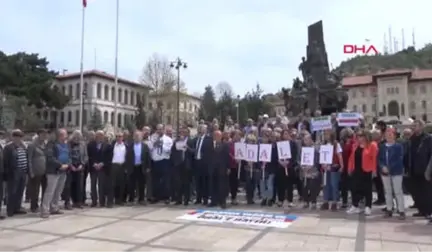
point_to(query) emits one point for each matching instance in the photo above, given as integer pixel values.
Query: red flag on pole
(84, 2)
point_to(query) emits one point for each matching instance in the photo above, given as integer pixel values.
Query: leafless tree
(158, 74)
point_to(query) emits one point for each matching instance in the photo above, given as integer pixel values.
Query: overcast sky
(241, 42)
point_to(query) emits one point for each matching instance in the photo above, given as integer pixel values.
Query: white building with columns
(100, 94)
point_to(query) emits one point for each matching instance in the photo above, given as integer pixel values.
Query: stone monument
(321, 88)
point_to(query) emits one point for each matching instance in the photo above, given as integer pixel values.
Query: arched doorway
(393, 108)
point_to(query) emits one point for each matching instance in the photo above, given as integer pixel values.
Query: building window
(119, 120)
(364, 108)
(150, 105)
(126, 97)
(85, 116)
(363, 93)
(64, 90)
(168, 119)
(423, 89)
(126, 119)
(373, 91)
(105, 117)
(120, 98)
(424, 105)
(61, 117)
(424, 117)
(373, 107)
(402, 109)
(106, 92)
(77, 114)
(384, 110)
(45, 115)
(112, 118)
(78, 91)
(411, 90)
(113, 94)
(70, 91)
(190, 107)
(99, 91)
(85, 90)
(169, 106)
(132, 98)
(355, 108)
(396, 90)
(412, 105)
(69, 117)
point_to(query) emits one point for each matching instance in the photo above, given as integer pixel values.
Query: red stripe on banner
(349, 120)
(84, 3)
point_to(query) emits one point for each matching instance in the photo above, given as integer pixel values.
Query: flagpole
(82, 68)
(115, 121)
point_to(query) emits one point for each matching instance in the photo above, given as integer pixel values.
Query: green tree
(226, 106)
(254, 103)
(96, 120)
(208, 109)
(28, 76)
(140, 114)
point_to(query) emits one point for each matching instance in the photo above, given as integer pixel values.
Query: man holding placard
(285, 173)
(219, 169)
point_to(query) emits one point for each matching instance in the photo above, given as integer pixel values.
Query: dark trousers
(202, 181)
(219, 187)
(100, 187)
(252, 180)
(233, 183)
(181, 180)
(421, 190)
(311, 189)
(344, 187)
(361, 188)
(33, 187)
(379, 187)
(137, 184)
(1, 190)
(15, 189)
(73, 188)
(161, 179)
(284, 184)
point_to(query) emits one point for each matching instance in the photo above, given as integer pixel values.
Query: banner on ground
(240, 218)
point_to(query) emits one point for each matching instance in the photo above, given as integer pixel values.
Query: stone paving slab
(155, 228)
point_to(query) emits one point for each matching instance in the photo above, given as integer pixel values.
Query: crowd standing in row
(152, 166)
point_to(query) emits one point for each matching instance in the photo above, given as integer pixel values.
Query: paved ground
(155, 228)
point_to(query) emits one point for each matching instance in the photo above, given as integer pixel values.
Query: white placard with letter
(307, 156)
(239, 151)
(284, 150)
(265, 153)
(252, 152)
(326, 154)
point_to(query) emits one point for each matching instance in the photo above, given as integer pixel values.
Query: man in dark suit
(218, 170)
(138, 165)
(181, 160)
(16, 167)
(99, 154)
(203, 149)
(2, 177)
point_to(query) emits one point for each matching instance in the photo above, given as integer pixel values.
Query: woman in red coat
(347, 141)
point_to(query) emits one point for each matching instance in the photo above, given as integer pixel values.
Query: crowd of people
(150, 166)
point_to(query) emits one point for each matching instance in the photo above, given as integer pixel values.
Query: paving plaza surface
(156, 228)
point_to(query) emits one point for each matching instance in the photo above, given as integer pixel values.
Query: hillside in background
(406, 59)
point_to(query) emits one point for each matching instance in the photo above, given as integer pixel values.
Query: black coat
(130, 157)
(102, 155)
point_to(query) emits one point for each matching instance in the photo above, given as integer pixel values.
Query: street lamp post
(237, 109)
(178, 64)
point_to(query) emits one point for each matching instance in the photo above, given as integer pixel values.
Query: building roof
(413, 75)
(173, 93)
(99, 74)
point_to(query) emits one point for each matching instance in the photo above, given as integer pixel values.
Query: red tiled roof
(99, 74)
(414, 75)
